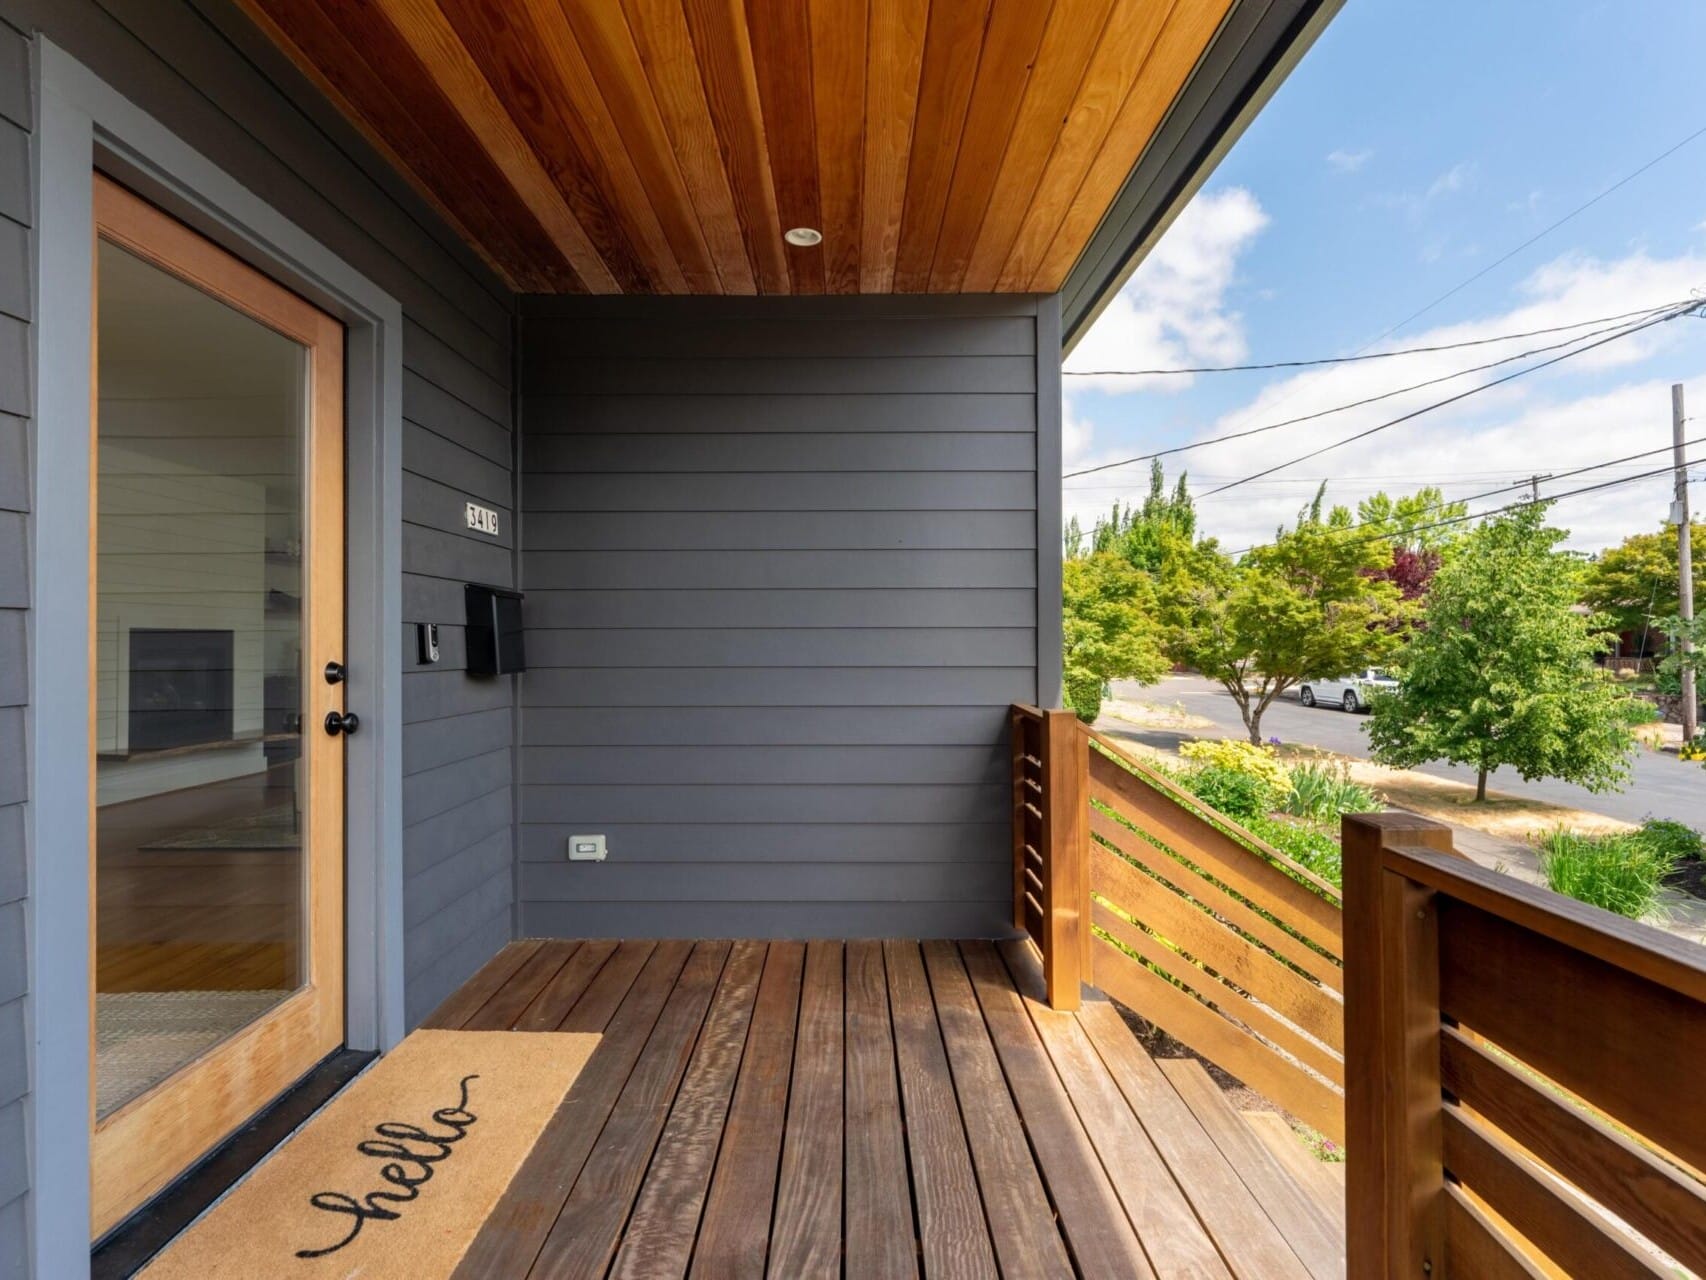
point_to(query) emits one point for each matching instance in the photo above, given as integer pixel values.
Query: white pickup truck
(1350, 692)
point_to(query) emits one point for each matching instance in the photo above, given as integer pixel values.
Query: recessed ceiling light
(803, 237)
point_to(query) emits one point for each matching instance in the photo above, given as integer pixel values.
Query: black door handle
(336, 672)
(346, 723)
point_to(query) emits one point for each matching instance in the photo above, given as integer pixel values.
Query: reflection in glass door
(217, 792)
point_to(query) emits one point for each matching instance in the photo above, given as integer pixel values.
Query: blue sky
(1415, 144)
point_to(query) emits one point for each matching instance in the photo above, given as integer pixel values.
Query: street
(1662, 786)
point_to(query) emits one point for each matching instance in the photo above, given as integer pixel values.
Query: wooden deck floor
(873, 1110)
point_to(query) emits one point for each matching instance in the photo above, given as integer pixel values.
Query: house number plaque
(482, 519)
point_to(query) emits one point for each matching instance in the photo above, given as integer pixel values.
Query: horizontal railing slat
(1651, 1196)
(1477, 1246)
(1519, 1191)
(1220, 948)
(1624, 1043)
(1223, 857)
(1112, 751)
(1193, 1023)
(1223, 903)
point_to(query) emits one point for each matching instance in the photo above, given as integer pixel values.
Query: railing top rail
(1636, 948)
(1174, 792)
(1026, 709)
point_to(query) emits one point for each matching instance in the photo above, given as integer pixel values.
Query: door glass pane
(200, 801)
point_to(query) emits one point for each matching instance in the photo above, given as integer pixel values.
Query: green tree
(1303, 608)
(1405, 521)
(1635, 582)
(1109, 630)
(1144, 534)
(1501, 670)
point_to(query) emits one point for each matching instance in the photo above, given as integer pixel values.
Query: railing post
(1066, 871)
(1395, 1180)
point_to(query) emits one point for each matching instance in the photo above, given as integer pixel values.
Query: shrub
(1245, 757)
(1232, 792)
(1325, 793)
(1309, 847)
(1620, 873)
(1084, 694)
(1639, 711)
(1675, 840)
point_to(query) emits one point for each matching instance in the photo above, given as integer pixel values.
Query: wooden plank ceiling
(665, 146)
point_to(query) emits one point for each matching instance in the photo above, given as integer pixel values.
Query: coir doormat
(395, 1176)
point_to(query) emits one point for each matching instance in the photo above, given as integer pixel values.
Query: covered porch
(876, 1109)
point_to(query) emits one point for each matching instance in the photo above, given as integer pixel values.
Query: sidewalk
(1679, 913)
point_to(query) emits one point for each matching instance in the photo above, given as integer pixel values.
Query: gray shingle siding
(781, 559)
(16, 402)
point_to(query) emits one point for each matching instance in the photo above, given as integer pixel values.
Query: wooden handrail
(1490, 1025)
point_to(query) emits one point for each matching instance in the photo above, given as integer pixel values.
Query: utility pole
(1534, 486)
(1684, 563)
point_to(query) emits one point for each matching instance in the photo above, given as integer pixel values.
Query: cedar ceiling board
(447, 60)
(1189, 28)
(665, 47)
(1126, 41)
(502, 41)
(1010, 45)
(352, 54)
(636, 132)
(781, 50)
(893, 63)
(1052, 96)
(952, 43)
(838, 59)
(726, 69)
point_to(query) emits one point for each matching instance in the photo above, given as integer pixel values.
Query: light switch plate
(586, 848)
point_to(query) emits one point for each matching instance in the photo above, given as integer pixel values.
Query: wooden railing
(1126, 881)
(1524, 1073)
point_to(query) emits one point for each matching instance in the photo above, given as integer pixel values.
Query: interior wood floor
(214, 919)
(874, 1109)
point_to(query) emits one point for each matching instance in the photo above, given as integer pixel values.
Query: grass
(1620, 873)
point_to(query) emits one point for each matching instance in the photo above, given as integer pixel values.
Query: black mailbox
(494, 631)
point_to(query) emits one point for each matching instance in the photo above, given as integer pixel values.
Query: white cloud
(1342, 161)
(1453, 179)
(1173, 310)
(1582, 411)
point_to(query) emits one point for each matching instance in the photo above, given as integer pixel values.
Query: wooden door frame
(85, 124)
(213, 1095)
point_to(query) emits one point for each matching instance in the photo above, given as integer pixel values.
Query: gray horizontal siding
(17, 394)
(203, 70)
(780, 558)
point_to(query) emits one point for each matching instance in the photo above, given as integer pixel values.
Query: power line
(1462, 395)
(1478, 515)
(1352, 359)
(1368, 400)
(1538, 236)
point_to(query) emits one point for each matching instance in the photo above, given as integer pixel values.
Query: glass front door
(217, 602)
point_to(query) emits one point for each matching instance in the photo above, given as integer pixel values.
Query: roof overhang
(656, 146)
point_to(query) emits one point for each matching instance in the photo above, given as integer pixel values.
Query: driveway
(1662, 786)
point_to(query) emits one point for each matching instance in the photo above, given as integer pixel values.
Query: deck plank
(878, 1213)
(806, 1241)
(509, 1001)
(1092, 1219)
(588, 1231)
(658, 1244)
(1166, 1226)
(1021, 1221)
(1249, 1241)
(734, 1234)
(1316, 1177)
(597, 1007)
(952, 1230)
(464, 1002)
(509, 1241)
(1303, 1224)
(551, 1006)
